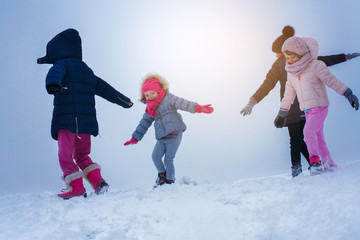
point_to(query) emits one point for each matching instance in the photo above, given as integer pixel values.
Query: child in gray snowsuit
(162, 108)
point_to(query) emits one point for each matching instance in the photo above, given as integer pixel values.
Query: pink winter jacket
(309, 84)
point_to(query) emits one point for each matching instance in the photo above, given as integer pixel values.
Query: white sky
(214, 52)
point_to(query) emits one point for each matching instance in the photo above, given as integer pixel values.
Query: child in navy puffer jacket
(162, 108)
(74, 87)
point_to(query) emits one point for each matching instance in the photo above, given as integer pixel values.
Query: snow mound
(277, 207)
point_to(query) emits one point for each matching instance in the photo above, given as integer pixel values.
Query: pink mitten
(204, 108)
(131, 141)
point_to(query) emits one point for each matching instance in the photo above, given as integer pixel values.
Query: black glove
(352, 55)
(353, 100)
(280, 119)
(52, 89)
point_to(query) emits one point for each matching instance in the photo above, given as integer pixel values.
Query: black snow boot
(296, 170)
(170, 181)
(161, 179)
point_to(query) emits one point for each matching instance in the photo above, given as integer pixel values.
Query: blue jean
(167, 146)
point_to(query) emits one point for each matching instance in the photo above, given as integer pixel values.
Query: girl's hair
(162, 81)
(292, 53)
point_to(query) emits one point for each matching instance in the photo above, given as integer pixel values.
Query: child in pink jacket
(307, 78)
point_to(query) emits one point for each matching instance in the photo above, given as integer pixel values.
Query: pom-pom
(288, 31)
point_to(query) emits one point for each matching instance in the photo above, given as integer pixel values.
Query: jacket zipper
(76, 120)
(129, 104)
(77, 128)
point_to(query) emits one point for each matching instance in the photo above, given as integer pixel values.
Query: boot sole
(104, 187)
(316, 172)
(67, 198)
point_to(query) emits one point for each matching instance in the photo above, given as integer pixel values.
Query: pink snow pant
(73, 147)
(314, 134)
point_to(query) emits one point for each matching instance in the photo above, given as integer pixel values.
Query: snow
(326, 206)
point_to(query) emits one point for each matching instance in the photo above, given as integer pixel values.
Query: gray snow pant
(167, 146)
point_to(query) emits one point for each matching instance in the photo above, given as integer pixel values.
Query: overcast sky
(211, 52)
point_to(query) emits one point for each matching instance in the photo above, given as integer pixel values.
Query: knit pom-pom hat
(287, 32)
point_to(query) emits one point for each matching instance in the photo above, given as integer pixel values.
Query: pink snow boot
(329, 165)
(75, 187)
(94, 177)
(315, 165)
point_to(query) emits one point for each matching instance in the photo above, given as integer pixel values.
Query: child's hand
(204, 108)
(53, 88)
(353, 100)
(131, 141)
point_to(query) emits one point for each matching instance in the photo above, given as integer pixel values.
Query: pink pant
(314, 134)
(73, 147)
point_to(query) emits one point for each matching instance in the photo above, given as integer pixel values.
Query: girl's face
(151, 95)
(290, 59)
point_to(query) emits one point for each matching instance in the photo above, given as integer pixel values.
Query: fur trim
(71, 177)
(162, 81)
(91, 168)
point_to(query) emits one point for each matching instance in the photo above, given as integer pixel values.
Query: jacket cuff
(254, 100)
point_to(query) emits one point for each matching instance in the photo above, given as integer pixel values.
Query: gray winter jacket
(167, 120)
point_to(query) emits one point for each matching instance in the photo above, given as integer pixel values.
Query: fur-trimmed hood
(162, 81)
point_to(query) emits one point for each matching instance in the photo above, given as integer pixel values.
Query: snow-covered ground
(277, 207)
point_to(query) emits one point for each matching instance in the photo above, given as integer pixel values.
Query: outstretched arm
(143, 127)
(337, 58)
(140, 130)
(331, 81)
(276, 72)
(182, 104)
(323, 73)
(333, 59)
(105, 90)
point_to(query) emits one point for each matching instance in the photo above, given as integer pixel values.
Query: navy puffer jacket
(74, 86)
